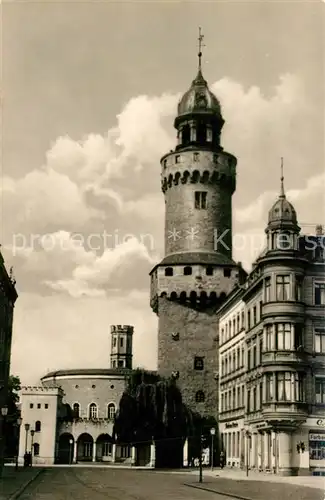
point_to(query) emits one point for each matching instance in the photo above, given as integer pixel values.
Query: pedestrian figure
(196, 462)
(26, 459)
(222, 459)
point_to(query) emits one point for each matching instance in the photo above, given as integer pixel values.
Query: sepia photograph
(162, 236)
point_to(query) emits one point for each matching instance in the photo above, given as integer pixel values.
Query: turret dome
(282, 211)
(199, 99)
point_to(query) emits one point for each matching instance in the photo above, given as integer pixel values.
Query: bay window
(298, 288)
(267, 284)
(319, 294)
(299, 387)
(268, 340)
(283, 334)
(282, 287)
(320, 340)
(269, 386)
(284, 387)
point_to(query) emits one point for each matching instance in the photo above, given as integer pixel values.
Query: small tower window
(76, 410)
(209, 271)
(120, 363)
(196, 156)
(199, 397)
(187, 271)
(38, 426)
(169, 271)
(114, 363)
(114, 342)
(177, 159)
(227, 273)
(121, 341)
(200, 200)
(198, 363)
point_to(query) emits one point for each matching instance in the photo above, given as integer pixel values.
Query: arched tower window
(199, 397)
(111, 411)
(187, 270)
(169, 271)
(201, 133)
(36, 449)
(38, 426)
(93, 411)
(76, 410)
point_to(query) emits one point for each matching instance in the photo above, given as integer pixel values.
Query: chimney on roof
(319, 230)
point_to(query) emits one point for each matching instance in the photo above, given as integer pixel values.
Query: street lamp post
(32, 432)
(27, 426)
(200, 459)
(4, 413)
(19, 421)
(71, 451)
(247, 451)
(212, 432)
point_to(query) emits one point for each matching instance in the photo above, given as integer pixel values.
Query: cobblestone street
(97, 484)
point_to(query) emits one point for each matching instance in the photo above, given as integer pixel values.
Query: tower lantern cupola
(282, 229)
(199, 120)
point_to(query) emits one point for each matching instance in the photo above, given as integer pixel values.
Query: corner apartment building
(281, 427)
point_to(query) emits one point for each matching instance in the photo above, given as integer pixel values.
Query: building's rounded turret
(121, 346)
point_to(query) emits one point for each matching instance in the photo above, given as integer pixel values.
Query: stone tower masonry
(198, 180)
(121, 346)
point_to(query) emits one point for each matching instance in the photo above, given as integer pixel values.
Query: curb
(21, 490)
(230, 495)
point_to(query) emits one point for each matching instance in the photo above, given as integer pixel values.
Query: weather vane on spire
(201, 44)
(282, 179)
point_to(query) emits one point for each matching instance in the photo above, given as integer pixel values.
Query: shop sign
(231, 425)
(316, 437)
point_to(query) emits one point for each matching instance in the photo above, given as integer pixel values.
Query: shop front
(309, 447)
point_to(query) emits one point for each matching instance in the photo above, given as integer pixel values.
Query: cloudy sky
(89, 94)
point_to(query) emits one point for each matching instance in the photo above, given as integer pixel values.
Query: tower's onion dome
(282, 211)
(199, 99)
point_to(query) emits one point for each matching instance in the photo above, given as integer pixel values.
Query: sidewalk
(239, 474)
(13, 482)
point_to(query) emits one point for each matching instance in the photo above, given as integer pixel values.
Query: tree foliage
(10, 423)
(151, 408)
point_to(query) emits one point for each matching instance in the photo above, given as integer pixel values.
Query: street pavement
(110, 484)
(116, 484)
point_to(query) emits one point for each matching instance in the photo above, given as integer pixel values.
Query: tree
(151, 408)
(10, 424)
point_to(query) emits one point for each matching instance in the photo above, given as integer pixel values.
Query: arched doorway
(85, 446)
(104, 448)
(65, 449)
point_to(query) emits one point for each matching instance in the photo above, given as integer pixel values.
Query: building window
(36, 449)
(199, 397)
(93, 411)
(238, 397)
(248, 320)
(261, 349)
(37, 426)
(111, 411)
(120, 363)
(299, 340)
(320, 340)
(114, 342)
(284, 386)
(46, 406)
(254, 316)
(38, 405)
(267, 284)
(283, 331)
(125, 451)
(227, 273)
(319, 294)
(31, 405)
(261, 310)
(298, 288)
(121, 341)
(269, 387)
(201, 200)
(261, 396)
(177, 159)
(248, 359)
(198, 363)
(196, 156)
(169, 271)
(248, 401)
(299, 387)
(254, 406)
(76, 410)
(187, 271)
(269, 343)
(254, 356)
(114, 363)
(282, 287)
(242, 320)
(209, 271)
(320, 390)
(107, 449)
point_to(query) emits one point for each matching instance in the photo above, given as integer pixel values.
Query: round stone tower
(121, 346)
(197, 273)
